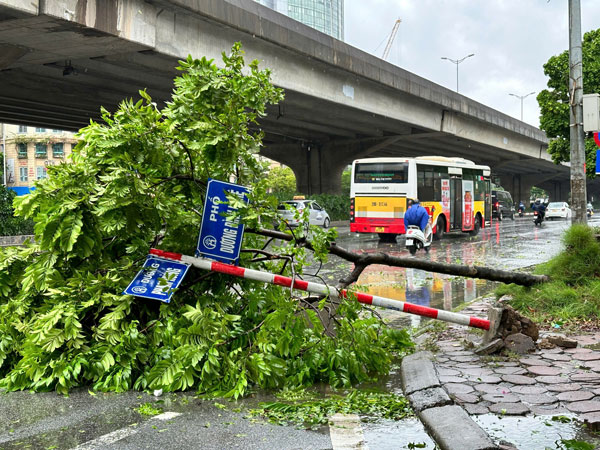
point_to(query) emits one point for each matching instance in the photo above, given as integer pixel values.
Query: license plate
(379, 229)
(409, 242)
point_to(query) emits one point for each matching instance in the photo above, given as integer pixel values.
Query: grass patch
(572, 297)
(148, 409)
(304, 409)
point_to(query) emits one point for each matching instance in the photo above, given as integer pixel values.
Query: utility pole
(578, 186)
(4, 174)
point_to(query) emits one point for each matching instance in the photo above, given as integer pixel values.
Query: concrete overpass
(61, 59)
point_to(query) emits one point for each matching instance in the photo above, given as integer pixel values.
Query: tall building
(323, 15)
(30, 151)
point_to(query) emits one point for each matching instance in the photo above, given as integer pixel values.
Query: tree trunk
(361, 261)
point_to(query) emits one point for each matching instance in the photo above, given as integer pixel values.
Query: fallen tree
(138, 181)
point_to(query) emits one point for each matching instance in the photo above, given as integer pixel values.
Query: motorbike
(521, 210)
(415, 239)
(590, 212)
(538, 218)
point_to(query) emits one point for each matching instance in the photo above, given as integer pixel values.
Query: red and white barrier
(266, 277)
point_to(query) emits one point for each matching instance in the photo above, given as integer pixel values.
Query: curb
(448, 424)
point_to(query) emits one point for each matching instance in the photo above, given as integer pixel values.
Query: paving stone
(492, 389)
(466, 398)
(592, 356)
(585, 376)
(587, 340)
(443, 423)
(548, 410)
(429, 398)
(458, 388)
(529, 390)
(509, 409)
(460, 353)
(475, 409)
(467, 366)
(510, 371)
(518, 379)
(563, 387)
(596, 391)
(575, 396)
(534, 362)
(538, 399)
(558, 357)
(578, 350)
(417, 372)
(584, 406)
(490, 348)
(592, 420)
(487, 379)
(443, 371)
(451, 379)
(543, 370)
(480, 371)
(551, 350)
(441, 359)
(551, 379)
(464, 358)
(505, 364)
(500, 398)
(592, 365)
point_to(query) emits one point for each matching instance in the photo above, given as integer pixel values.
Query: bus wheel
(440, 228)
(477, 226)
(387, 237)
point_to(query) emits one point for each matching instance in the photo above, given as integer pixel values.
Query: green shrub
(9, 224)
(337, 206)
(574, 290)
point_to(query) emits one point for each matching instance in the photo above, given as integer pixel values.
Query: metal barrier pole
(266, 277)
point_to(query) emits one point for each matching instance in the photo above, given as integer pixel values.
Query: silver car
(317, 215)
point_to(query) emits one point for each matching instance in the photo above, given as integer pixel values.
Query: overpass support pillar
(318, 169)
(519, 187)
(559, 191)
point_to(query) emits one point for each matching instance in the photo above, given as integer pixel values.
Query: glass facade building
(326, 16)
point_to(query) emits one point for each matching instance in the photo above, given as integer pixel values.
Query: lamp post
(457, 62)
(521, 97)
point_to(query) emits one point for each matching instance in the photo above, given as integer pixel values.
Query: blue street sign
(157, 279)
(597, 162)
(221, 236)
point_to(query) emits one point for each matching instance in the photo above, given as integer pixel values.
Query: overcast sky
(511, 39)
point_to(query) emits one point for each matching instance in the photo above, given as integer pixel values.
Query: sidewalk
(550, 381)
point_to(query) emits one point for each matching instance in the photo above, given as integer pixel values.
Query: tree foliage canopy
(138, 181)
(554, 101)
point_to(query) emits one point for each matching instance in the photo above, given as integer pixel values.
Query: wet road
(84, 421)
(507, 245)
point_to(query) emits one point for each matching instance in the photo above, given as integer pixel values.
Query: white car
(558, 210)
(317, 215)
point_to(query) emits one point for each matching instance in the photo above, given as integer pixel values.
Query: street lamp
(522, 97)
(457, 62)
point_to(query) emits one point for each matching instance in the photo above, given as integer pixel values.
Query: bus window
(381, 172)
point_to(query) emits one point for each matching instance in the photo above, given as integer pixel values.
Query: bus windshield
(388, 172)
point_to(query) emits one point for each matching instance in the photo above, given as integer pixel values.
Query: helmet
(537, 202)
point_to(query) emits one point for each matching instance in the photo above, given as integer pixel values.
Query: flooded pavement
(507, 245)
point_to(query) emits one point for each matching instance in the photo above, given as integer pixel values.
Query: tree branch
(487, 273)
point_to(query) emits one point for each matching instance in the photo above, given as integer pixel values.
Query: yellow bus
(455, 191)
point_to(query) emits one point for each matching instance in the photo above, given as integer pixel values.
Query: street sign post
(158, 279)
(221, 236)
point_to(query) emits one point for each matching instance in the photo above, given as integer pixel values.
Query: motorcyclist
(521, 208)
(417, 215)
(540, 208)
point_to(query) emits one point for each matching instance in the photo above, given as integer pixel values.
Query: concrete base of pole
(508, 329)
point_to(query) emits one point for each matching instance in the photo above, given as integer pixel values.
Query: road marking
(117, 435)
(346, 432)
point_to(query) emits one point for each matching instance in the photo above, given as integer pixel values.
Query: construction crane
(388, 46)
